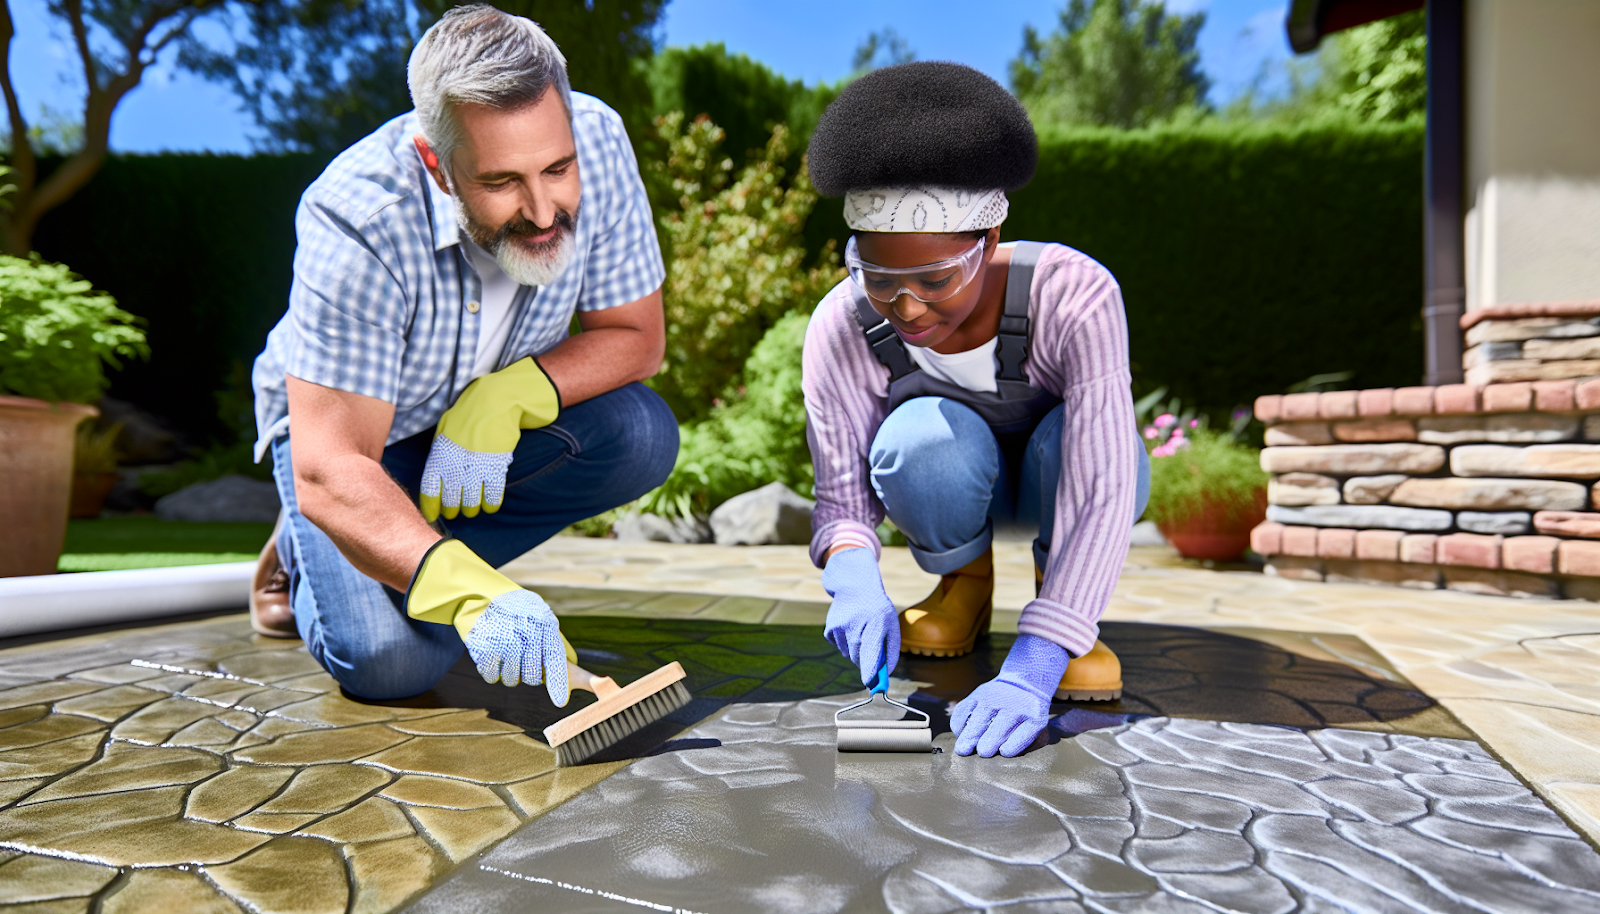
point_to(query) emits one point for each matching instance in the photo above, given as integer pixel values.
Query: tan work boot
(949, 621)
(1096, 676)
(270, 612)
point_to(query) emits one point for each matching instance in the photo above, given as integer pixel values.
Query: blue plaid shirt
(379, 304)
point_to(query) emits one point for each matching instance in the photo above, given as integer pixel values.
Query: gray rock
(232, 498)
(635, 527)
(1145, 533)
(1506, 523)
(1371, 490)
(768, 516)
(1363, 517)
(1501, 351)
(145, 437)
(1528, 328)
(1289, 434)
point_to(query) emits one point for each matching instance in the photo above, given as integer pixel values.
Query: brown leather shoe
(270, 613)
(1096, 676)
(949, 621)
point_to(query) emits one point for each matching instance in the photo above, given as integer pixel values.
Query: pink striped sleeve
(846, 394)
(1080, 351)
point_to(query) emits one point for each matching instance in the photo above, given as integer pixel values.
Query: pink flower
(1151, 432)
(1194, 423)
(1165, 419)
(1177, 433)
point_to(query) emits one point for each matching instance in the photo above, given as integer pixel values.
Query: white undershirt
(971, 370)
(495, 315)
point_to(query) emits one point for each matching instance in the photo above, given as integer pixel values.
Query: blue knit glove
(862, 622)
(517, 640)
(1007, 713)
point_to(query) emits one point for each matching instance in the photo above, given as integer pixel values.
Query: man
(425, 359)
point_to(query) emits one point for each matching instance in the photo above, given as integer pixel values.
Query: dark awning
(1309, 20)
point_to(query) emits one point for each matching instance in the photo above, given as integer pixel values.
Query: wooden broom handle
(580, 678)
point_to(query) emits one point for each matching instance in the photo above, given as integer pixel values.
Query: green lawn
(113, 543)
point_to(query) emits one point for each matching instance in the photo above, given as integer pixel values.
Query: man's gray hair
(479, 55)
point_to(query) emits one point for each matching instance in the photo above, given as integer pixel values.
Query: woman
(953, 382)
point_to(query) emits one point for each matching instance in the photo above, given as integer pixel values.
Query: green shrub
(737, 260)
(57, 334)
(754, 438)
(1213, 467)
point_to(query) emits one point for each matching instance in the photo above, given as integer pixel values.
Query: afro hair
(923, 123)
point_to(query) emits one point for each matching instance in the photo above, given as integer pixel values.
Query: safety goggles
(927, 283)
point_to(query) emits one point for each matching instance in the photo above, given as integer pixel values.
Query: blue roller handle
(882, 683)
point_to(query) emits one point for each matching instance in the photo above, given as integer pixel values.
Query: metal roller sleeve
(872, 739)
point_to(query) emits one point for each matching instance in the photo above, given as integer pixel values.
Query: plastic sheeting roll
(55, 602)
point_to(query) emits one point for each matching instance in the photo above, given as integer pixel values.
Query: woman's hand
(862, 623)
(1006, 714)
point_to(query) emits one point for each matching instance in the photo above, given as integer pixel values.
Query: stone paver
(219, 771)
(1156, 815)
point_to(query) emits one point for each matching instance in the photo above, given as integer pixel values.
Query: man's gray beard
(526, 268)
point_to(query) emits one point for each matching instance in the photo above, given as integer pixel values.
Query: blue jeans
(599, 454)
(947, 480)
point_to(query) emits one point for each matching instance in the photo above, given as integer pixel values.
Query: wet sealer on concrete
(1158, 814)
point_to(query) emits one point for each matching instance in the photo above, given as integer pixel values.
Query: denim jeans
(599, 454)
(947, 480)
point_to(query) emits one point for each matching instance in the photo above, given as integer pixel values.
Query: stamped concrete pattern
(1523, 676)
(197, 767)
(1158, 815)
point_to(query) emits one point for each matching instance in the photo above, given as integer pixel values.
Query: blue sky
(803, 39)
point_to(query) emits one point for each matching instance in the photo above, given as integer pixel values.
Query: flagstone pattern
(1157, 815)
(197, 767)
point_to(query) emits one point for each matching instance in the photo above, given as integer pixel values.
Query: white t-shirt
(495, 315)
(971, 370)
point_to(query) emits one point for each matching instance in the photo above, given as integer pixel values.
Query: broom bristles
(608, 721)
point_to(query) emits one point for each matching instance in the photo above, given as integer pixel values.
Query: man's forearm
(371, 519)
(617, 346)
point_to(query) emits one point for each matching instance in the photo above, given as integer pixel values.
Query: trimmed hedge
(1250, 257)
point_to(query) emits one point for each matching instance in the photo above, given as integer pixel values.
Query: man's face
(515, 180)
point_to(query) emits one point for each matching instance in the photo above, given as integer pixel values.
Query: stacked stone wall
(1486, 488)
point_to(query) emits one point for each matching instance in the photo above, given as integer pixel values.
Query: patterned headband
(924, 209)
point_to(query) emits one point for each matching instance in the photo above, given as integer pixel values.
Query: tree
(884, 43)
(736, 259)
(116, 41)
(1118, 63)
(1379, 71)
(317, 75)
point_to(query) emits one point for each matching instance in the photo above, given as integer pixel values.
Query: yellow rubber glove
(510, 632)
(472, 449)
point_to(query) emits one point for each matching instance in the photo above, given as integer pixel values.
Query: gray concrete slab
(1159, 814)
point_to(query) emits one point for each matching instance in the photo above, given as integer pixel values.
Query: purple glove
(862, 622)
(1007, 713)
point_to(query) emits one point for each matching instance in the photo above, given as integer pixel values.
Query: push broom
(618, 712)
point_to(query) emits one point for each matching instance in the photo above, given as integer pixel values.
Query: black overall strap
(1015, 329)
(885, 343)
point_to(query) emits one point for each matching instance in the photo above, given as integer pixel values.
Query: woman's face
(920, 323)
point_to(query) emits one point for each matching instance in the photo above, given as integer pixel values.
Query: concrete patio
(1282, 746)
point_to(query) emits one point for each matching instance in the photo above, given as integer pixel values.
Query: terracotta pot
(89, 491)
(1213, 534)
(35, 481)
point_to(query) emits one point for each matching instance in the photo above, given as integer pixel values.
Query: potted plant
(56, 336)
(95, 456)
(1207, 490)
